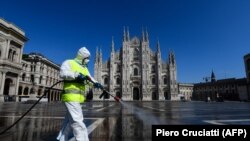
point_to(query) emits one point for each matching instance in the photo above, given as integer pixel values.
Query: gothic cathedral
(135, 72)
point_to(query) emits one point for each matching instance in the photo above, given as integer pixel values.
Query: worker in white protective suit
(76, 74)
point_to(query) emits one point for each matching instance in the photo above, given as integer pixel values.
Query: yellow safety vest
(74, 91)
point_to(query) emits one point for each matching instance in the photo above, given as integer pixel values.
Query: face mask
(85, 61)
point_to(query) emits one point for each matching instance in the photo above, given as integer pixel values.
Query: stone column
(2, 86)
(43, 80)
(2, 45)
(7, 49)
(20, 55)
(17, 88)
(23, 87)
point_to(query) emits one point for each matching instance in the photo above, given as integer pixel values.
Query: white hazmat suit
(73, 122)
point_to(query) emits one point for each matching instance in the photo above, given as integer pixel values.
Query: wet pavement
(113, 121)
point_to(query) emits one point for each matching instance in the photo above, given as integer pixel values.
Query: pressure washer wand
(117, 99)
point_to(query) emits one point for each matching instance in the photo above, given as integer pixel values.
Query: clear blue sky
(205, 35)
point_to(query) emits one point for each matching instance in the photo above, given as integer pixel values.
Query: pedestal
(1, 98)
(32, 99)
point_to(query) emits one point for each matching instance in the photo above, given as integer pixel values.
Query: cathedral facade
(135, 72)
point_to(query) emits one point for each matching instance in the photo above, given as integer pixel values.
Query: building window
(31, 68)
(39, 92)
(13, 56)
(153, 69)
(20, 90)
(26, 91)
(23, 77)
(118, 81)
(165, 80)
(135, 71)
(40, 80)
(153, 81)
(136, 54)
(10, 53)
(106, 81)
(47, 80)
(32, 78)
(118, 69)
(34, 67)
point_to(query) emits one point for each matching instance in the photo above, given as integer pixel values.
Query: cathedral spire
(146, 34)
(171, 58)
(128, 38)
(158, 46)
(143, 35)
(213, 77)
(100, 54)
(124, 34)
(113, 45)
(96, 55)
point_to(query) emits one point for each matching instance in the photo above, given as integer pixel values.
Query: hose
(88, 78)
(29, 108)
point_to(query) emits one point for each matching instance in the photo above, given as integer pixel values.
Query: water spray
(148, 118)
(139, 112)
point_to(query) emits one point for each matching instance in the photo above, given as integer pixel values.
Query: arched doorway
(6, 92)
(166, 95)
(118, 94)
(20, 89)
(7, 83)
(155, 96)
(136, 94)
(26, 91)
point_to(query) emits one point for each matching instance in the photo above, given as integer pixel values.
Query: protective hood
(82, 54)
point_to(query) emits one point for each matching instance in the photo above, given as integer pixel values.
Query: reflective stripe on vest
(73, 91)
(71, 97)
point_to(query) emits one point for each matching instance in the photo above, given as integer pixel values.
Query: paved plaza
(113, 121)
